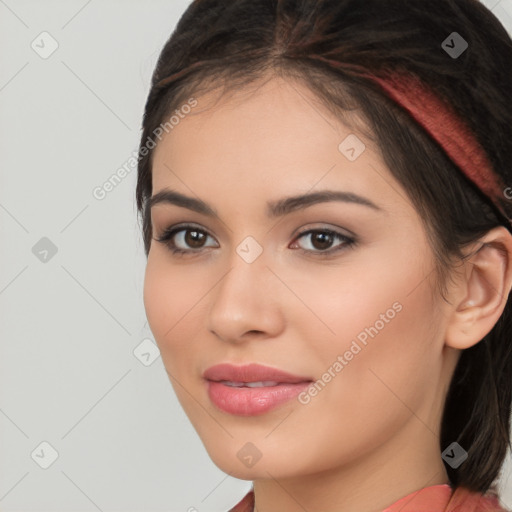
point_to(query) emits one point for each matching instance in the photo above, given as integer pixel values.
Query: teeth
(260, 384)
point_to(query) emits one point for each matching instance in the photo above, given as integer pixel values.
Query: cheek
(385, 333)
(174, 301)
(355, 299)
(380, 319)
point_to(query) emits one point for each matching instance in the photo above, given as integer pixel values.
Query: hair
(325, 44)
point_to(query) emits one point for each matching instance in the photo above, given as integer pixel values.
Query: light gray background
(70, 326)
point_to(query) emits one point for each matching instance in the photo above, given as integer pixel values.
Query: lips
(252, 389)
(251, 373)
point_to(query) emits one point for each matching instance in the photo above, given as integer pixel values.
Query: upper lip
(250, 373)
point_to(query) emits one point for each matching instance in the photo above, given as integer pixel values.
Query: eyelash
(168, 234)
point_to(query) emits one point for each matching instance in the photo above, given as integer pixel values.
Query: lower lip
(245, 401)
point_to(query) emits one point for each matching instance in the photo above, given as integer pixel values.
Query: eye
(322, 240)
(189, 239)
(184, 239)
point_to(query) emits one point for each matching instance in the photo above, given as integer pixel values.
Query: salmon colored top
(435, 498)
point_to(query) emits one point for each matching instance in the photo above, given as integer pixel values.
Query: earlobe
(482, 292)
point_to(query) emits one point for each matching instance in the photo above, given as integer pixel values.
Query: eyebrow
(275, 209)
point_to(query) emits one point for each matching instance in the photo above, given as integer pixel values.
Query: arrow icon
(44, 44)
(352, 147)
(146, 352)
(454, 45)
(249, 454)
(249, 253)
(44, 250)
(44, 455)
(454, 455)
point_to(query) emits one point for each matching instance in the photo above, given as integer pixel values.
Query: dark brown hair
(233, 43)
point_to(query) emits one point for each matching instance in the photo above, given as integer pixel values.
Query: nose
(246, 303)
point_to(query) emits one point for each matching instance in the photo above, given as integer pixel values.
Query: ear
(482, 289)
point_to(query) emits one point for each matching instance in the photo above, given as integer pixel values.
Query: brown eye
(322, 240)
(184, 239)
(194, 238)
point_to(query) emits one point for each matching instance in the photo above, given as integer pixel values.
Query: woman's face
(348, 306)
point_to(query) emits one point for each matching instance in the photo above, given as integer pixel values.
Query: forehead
(270, 140)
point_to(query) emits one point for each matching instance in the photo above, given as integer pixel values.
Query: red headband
(440, 121)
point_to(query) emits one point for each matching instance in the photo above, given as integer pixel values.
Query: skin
(371, 436)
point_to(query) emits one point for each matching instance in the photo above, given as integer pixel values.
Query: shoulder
(246, 504)
(464, 500)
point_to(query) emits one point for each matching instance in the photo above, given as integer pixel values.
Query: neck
(406, 463)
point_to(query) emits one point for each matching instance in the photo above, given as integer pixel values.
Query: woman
(324, 191)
